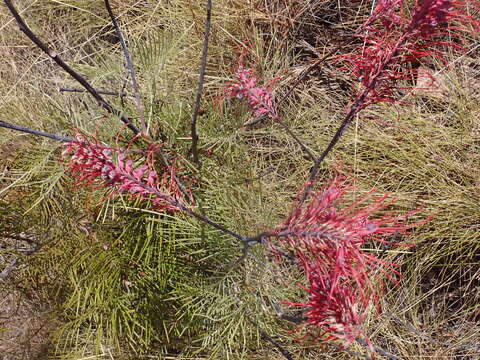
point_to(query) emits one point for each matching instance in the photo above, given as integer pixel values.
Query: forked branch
(80, 79)
(47, 135)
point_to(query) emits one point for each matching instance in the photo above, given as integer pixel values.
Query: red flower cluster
(343, 280)
(245, 86)
(94, 164)
(391, 41)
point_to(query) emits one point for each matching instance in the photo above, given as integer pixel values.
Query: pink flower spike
(342, 280)
(94, 164)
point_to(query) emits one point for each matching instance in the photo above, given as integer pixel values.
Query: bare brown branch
(102, 92)
(131, 69)
(201, 80)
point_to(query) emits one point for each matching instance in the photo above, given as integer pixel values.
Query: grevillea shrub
(328, 238)
(101, 166)
(343, 281)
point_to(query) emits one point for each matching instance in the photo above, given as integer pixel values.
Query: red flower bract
(99, 165)
(343, 279)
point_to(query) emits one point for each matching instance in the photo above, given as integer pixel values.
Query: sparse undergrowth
(118, 279)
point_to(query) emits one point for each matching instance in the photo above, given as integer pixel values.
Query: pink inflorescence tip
(245, 87)
(343, 281)
(101, 166)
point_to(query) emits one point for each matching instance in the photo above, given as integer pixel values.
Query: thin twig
(299, 80)
(102, 92)
(357, 106)
(289, 131)
(303, 75)
(316, 167)
(124, 86)
(131, 69)
(285, 353)
(201, 81)
(53, 55)
(58, 137)
(34, 132)
(277, 119)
